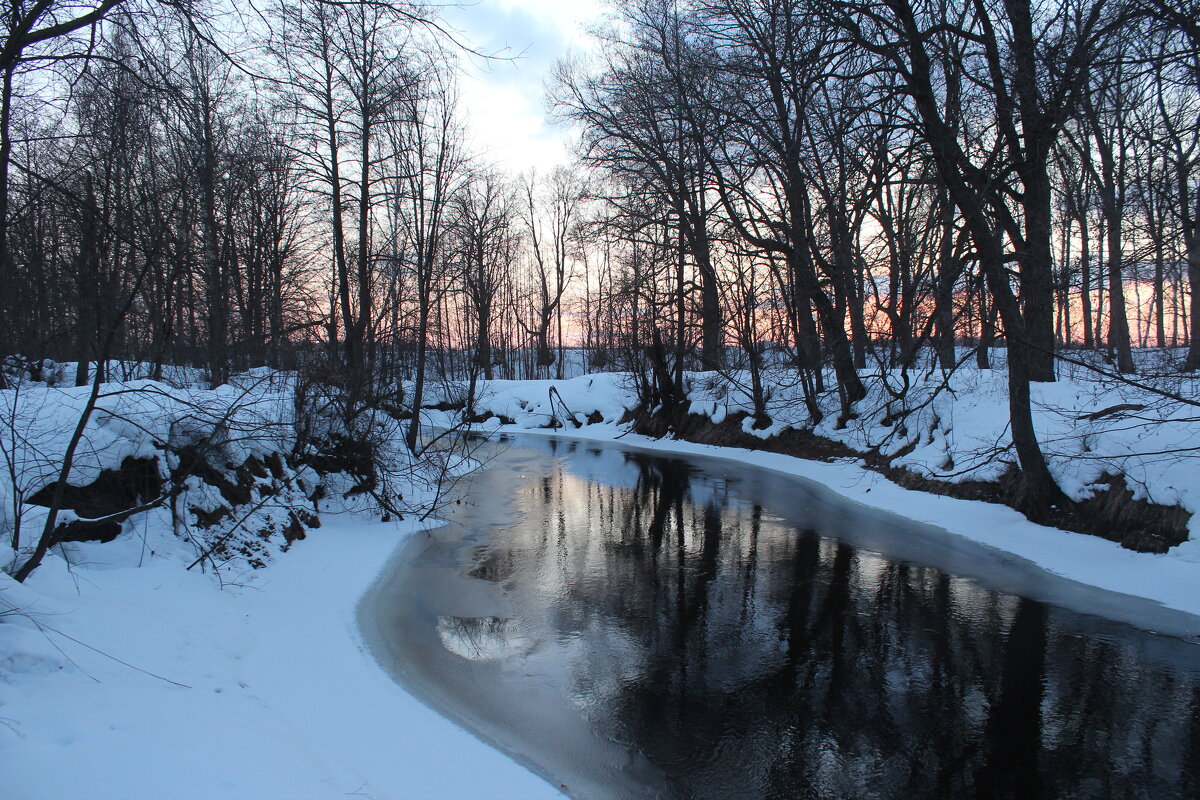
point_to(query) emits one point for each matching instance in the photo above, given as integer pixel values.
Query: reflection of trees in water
(749, 659)
(482, 638)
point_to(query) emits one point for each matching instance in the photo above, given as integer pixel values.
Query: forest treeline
(799, 188)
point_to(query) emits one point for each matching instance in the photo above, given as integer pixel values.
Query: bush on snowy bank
(240, 472)
(211, 464)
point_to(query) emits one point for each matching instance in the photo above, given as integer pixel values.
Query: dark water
(634, 626)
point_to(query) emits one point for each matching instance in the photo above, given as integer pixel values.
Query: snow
(533, 404)
(951, 427)
(282, 697)
(122, 674)
(253, 414)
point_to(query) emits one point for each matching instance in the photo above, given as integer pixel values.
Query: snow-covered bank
(186, 636)
(951, 428)
(280, 698)
(1150, 445)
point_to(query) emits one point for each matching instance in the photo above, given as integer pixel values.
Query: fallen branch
(1110, 411)
(43, 627)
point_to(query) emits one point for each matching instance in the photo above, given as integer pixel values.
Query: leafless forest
(827, 185)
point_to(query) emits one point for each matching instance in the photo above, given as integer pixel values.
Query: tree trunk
(1039, 492)
(943, 299)
(1100, 292)
(987, 327)
(341, 280)
(1160, 299)
(1037, 273)
(362, 328)
(216, 295)
(1037, 264)
(1085, 271)
(6, 92)
(414, 425)
(1193, 267)
(712, 329)
(1191, 231)
(87, 324)
(1118, 330)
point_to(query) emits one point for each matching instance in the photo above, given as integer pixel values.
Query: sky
(503, 99)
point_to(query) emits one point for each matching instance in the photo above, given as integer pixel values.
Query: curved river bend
(633, 626)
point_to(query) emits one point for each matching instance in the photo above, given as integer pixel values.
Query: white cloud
(504, 99)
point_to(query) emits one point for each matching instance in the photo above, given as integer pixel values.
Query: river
(630, 625)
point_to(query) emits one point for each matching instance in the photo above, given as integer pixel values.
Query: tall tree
(1031, 101)
(430, 168)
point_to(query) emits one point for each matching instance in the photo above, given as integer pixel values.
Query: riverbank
(122, 681)
(945, 428)
(1124, 452)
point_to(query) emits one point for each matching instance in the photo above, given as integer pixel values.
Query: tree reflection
(749, 657)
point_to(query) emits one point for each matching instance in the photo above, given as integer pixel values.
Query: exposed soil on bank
(1113, 513)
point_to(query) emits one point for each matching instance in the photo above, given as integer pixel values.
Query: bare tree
(428, 142)
(550, 212)
(486, 240)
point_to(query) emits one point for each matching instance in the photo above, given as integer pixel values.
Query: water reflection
(482, 638)
(749, 655)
